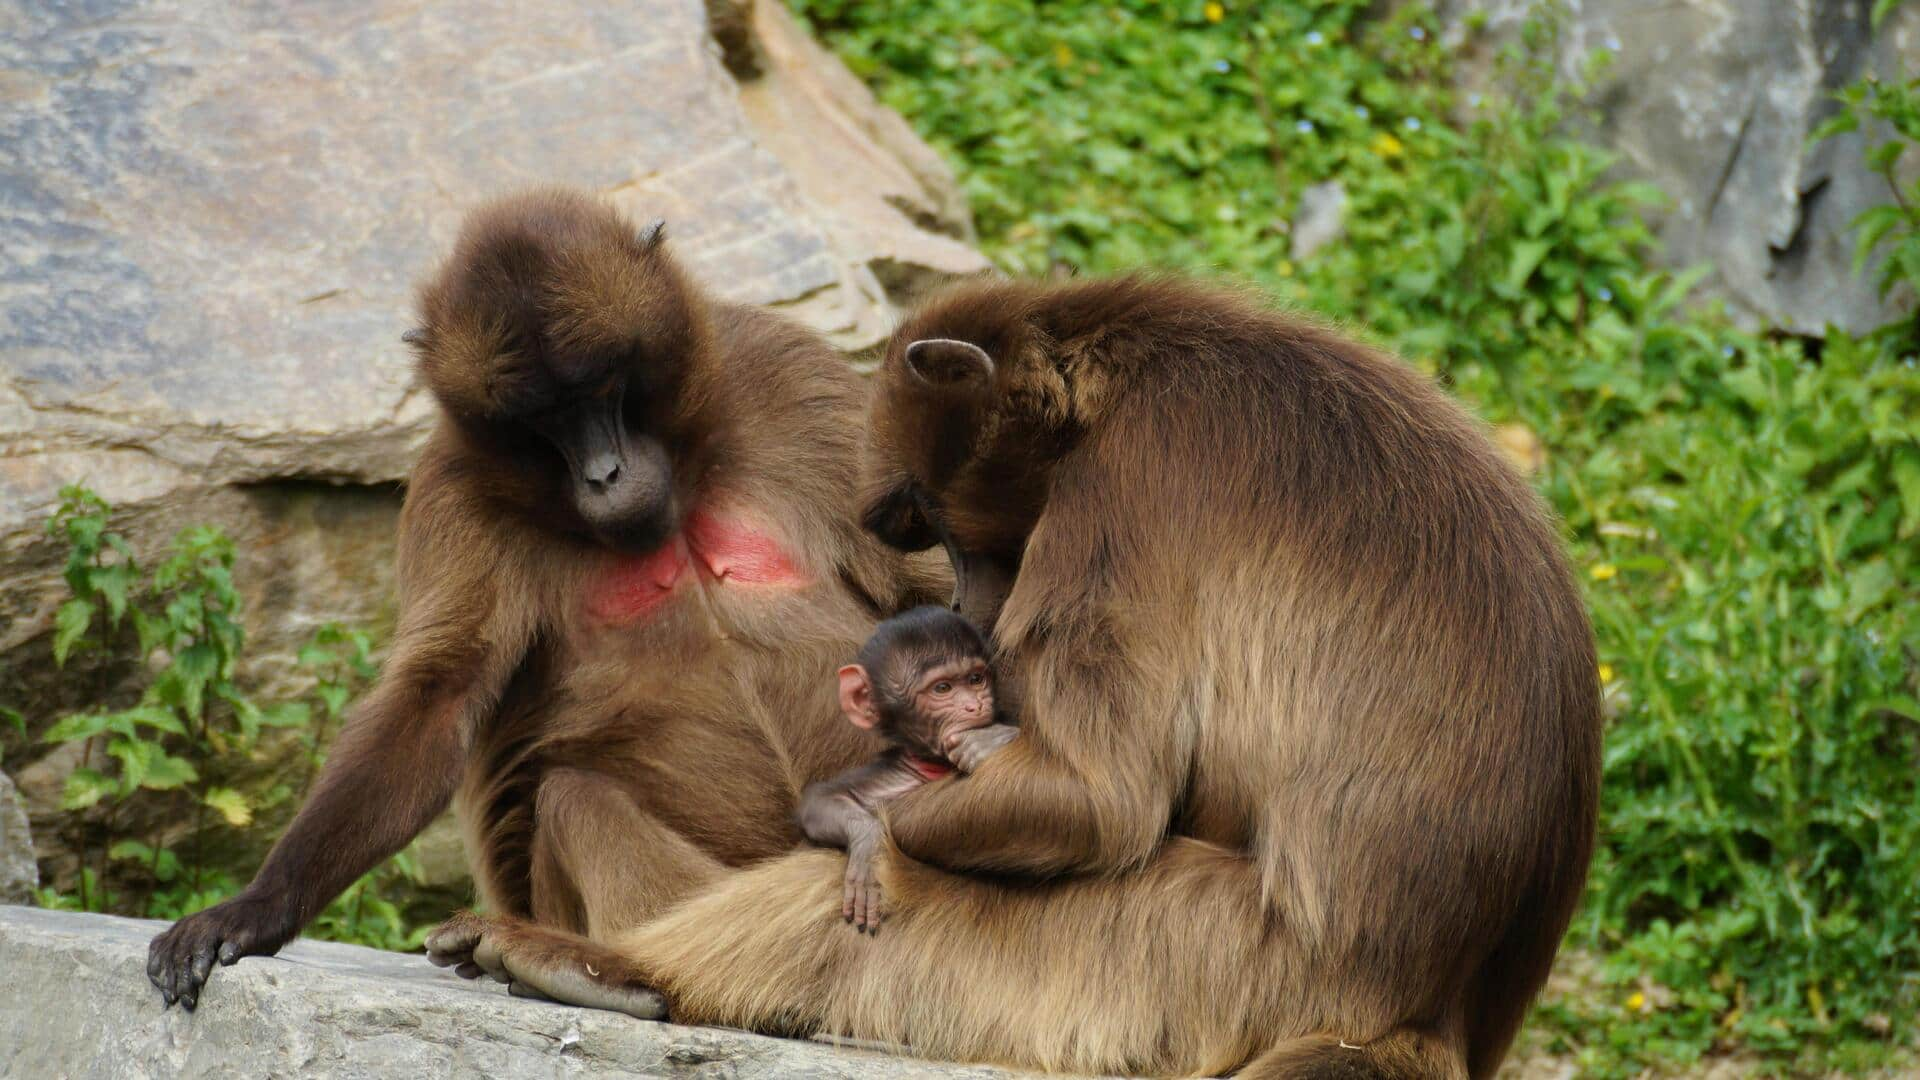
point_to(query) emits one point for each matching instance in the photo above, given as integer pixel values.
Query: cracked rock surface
(215, 211)
(323, 1009)
(212, 214)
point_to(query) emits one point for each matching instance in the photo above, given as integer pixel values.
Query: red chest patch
(729, 552)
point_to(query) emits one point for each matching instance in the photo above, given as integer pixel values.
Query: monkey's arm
(968, 750)
(394, 766)
(1083, 787)
(836, 811)
(840, 813)
(828, 813)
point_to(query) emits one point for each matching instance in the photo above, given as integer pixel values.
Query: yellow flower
(1285, 268)
(1386, 146)
(1636, 1001)
(1603, 571)
(1062, 55)
(1215, 12)
(1606, 672)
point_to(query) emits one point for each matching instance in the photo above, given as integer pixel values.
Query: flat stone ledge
(75, 1001)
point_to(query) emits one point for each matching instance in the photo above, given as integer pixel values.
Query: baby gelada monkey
(923, 683)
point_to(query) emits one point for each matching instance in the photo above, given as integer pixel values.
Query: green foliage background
(188, 739)
(1743, 507)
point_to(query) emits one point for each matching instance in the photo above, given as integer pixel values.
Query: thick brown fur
(604, 770)
(1309, 768)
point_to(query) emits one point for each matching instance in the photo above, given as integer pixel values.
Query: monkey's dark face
(561, 336)
(619, 475)
(959, 451)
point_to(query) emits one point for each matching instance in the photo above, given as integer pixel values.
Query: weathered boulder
(215, 210)
(76, 1002)
(1713, 101)
(19, 873)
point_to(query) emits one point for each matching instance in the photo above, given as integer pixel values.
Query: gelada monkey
(1308, 762)
(624, 558)
(923, 683)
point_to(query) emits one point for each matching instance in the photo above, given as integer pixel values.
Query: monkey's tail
(1401, 1054)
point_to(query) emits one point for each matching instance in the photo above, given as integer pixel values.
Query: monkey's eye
(943, 687)
(977, 678)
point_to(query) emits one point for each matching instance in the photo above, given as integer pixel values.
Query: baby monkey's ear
(856, 697)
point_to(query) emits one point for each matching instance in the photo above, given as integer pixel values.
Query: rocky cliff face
(1712, 101)
(76, 1002)
(215, 211)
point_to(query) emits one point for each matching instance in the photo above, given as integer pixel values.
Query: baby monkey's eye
(943, 687)
(976, 678)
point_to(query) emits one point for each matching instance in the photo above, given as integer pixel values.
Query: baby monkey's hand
(967, 749)
(862, 902)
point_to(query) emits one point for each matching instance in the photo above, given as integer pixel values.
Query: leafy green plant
(1742, 506)
(340, 659)
(192, 728)
(184, 621)
(1891, 231)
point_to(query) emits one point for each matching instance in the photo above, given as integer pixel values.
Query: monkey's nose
(600, 475)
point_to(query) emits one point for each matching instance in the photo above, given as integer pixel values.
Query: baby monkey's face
(953, 696)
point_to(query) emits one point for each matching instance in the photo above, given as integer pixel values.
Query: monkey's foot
(540, 963)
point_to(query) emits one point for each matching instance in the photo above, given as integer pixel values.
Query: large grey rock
(1713, 101)
(76, 1002)
(19, 873)
(212, 212)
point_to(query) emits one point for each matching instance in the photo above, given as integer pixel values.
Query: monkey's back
(1354, 612)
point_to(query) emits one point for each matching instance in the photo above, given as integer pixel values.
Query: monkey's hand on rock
(862, 903)
(182, 956)
(536, 962)
(967, 749)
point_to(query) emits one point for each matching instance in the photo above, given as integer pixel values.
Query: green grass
(1743, 507)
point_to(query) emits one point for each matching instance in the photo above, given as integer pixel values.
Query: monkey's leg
(1401, 1054)
(537, 962)
(601, 863)
(1180, 968)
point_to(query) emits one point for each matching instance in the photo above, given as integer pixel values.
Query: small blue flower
(1726, 351)
(1613, 43)
(1413, 123)
(1419, 33)
(1315, 37)
(1605, 294)
(1222, 66)
(1362, 111)
(1304, 127)
(1473, 101)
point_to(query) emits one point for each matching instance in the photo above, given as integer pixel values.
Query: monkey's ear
(856, 697)
(651, 236)
(415, 336)
(950, 365)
